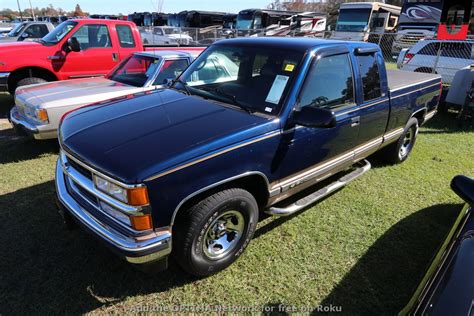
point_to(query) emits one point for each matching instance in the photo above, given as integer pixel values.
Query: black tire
(426, 70)
(197, 224)
(27, 81)
(399, 151)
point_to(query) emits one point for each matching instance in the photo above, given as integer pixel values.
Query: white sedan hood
(72, 93)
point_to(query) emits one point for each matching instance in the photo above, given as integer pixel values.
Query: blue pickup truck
(186, 171)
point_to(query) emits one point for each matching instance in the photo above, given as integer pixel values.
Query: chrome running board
(321, 193)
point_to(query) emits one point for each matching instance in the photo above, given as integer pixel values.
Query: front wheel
(212, 234)
(398, 152)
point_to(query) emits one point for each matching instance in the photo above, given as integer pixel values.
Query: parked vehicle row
(279, 117)
(39, 108)
(75, 49)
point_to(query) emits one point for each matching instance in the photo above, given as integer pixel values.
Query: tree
(78, 11)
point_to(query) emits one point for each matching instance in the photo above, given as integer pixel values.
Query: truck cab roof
(293, 43)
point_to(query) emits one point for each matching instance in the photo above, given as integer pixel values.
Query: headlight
(115, 213)
(133, 196)
(38, 115)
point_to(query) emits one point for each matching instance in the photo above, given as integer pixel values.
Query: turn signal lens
(42, 115)
(138, 196)
(142, 222)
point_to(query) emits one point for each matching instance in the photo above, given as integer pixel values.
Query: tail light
(407, 58)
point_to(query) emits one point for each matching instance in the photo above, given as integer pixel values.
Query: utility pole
(19, 9)
(32, 11)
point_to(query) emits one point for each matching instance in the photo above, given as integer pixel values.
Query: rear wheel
(398, 152)
(213, 233)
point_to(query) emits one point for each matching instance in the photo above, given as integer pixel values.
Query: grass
(365, 248)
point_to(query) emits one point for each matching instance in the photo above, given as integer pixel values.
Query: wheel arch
(425, 69)
(255, 182)
(420, 115)
(28, 72)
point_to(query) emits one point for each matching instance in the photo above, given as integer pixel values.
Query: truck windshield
(17, 30)
(135, 71)
(353, 20)
(256, 79)
(244, 21)
(59, 32)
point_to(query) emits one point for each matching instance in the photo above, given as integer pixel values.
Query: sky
(130, 6)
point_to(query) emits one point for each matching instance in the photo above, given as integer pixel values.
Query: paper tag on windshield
(276, 91)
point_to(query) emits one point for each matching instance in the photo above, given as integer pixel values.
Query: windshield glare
(352, 20)
(135, 71)
(228, 73)
(59, 32)
(17, 30)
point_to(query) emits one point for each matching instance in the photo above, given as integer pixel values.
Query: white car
(39, 108)
(176, 34)
(151, 38)
(440, 57)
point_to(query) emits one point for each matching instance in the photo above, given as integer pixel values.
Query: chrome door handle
(115, 57)
(355, 121)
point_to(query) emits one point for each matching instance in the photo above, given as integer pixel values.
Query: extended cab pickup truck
(187, 170)
(75, 49)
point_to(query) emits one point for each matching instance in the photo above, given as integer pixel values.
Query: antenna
(160, 6)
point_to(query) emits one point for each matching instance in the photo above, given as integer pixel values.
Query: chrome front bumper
(4, 81)
(36, 131)
(135, 249)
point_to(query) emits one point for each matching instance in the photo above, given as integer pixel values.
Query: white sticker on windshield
(276, 91)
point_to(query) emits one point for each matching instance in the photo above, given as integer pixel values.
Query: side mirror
(74, 45)
(168, 82)
(23, 36)
(314, 117)
(464, 187)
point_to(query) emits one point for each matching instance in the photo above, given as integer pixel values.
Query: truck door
(306, 153)
(97, 56)
(126, 41)
(373, 100)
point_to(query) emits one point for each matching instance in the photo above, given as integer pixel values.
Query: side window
(171, 69)
(37, 31)
(392, 21)
(429, 49)
(93, 36)
(456, 50)
(329, 83)
(369, 71)
(125, 36)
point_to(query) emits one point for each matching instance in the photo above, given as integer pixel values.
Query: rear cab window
(370, 75)
(125, 36)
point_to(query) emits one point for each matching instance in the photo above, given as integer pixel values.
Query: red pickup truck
(75, 49)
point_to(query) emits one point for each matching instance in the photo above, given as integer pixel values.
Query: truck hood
(139, 137)
(74, 92)
(18, 46)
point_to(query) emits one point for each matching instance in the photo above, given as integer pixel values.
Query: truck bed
(398, 79)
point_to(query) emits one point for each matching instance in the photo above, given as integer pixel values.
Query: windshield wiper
(183, 83)
(234, 100)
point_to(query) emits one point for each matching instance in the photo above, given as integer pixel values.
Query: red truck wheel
(213, 233)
